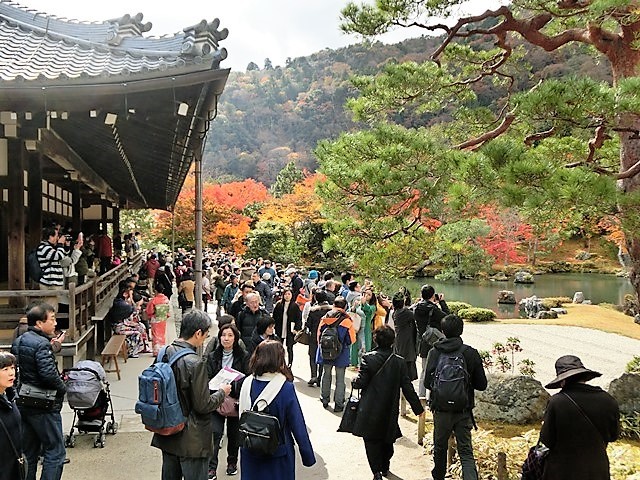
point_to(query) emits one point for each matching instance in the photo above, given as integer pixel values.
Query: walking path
(128, 454)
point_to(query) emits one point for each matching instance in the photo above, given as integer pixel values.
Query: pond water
(598, 288)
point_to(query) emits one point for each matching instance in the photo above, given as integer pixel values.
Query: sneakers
(212, 475)
(232, 469)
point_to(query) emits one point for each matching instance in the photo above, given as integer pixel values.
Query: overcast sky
(258, 29)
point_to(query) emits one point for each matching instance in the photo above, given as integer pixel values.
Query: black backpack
(451, 383)
(259, 431)
(330, 344)
(33, 269)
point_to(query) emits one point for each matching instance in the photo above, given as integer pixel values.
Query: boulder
(523, 277)
(578, 297)
(625, 390)
(511, 399)
(546, 315)
(559, 310)
(582, 255)
(507, 296)
(531, 306)
(636, 319)
(499, 277)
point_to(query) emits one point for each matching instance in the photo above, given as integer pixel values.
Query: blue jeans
(460, 424)
(42, 432)
(189, 468)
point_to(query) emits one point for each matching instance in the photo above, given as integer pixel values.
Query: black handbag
(350, 414)
(533, 466)
(23, 465)
(36, 397)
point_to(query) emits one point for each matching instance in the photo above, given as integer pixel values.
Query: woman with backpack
(230, 354)
(271, 380)
(381, 377)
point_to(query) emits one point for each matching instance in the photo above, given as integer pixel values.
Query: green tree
(287, 178)
(586, 110)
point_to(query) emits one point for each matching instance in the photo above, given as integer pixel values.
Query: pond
(598, 288)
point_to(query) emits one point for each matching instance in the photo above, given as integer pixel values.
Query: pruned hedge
(475, 314)
(455, 307)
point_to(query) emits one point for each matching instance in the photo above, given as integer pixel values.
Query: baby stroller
(89, 398)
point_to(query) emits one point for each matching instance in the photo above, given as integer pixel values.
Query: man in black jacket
(42, 429)
(248, 318)
(458, 422)
(429, 311)
(186, 454)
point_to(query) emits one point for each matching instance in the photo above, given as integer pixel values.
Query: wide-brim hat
(569, 366)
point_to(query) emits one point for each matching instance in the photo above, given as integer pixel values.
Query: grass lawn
(588, 316)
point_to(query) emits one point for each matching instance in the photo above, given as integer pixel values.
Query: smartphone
(80, 237)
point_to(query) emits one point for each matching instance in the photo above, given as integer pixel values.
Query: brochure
(224, 376)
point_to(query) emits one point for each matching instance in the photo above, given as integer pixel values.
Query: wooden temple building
(95, 117)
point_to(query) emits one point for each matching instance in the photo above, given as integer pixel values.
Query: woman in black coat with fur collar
(381, 377)
(10, 418)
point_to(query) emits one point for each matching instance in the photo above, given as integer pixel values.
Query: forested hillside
(271, 115)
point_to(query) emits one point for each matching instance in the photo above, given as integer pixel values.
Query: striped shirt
(49, 257)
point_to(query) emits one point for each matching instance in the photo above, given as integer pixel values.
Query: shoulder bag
(533, 466)
(23, 466)
(31, 396)
(303, 336)
(350, 414)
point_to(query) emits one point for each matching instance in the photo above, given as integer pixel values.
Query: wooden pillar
(198, 214)
(35, 199)
(16, 217)
(116, 220)
(76, 208)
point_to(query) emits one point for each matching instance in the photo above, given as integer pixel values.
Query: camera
(68, 238)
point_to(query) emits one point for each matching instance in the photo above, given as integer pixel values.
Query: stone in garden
(507, 296)
(523, 277)
(582, 255)
(511, 399)
(587, 302)
(546, 315)
(578, 297)
(625, 390)
(636, 319)
(499, 277)
(559, 310)
(531, 306)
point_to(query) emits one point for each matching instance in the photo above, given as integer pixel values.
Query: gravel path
(606, 353)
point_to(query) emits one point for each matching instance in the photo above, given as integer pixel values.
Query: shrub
(475, 314)
(634, 365)
(630, 425)
(455, 307)
(555, 302)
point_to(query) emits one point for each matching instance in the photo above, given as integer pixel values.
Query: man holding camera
(50, 252)
(429, 311)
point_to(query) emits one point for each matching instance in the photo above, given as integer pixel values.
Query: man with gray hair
(186, 454)
(249, 315)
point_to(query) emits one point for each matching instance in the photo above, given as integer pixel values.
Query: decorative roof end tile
(202, 39)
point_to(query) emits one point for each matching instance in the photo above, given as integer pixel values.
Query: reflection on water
(598, 288)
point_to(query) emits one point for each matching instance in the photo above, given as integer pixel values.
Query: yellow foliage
(302, 205)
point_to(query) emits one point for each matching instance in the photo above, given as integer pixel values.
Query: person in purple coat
(266, 363)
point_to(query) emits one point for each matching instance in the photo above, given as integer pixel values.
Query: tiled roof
(43, 49)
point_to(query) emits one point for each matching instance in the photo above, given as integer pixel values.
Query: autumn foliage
(508, 233)
(224, 224)
(302, 205)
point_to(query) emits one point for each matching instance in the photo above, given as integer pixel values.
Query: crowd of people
(262, 308)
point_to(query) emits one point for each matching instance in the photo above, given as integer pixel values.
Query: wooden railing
(85, 301)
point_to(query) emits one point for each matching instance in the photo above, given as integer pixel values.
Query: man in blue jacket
(337, 358)
(42, 429)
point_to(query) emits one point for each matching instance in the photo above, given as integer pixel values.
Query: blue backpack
(158, 400)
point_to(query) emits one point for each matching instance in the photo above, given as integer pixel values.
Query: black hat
(569, 366)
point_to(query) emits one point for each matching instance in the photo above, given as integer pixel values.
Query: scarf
(276, 381)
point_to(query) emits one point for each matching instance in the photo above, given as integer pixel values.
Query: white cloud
(259, 29)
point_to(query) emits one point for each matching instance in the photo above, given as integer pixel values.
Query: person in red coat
(104, 250)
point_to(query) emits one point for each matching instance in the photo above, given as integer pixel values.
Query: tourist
(247, 319)
(428, 311)
(10, 421)
(358, 347)
(41, 429)
(267, 365)
(50, 252)
(318, 310)
(158, 312)
(405, 327)
(579, 422)
(228, 353)
(288, 320)
(381, 377)
(346, 336)
(240, 298)
(187, 285)
(230, 291)
(459, 422)
(186, 454)
(264, 330)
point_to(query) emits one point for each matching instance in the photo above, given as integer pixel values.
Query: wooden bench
(115, 346)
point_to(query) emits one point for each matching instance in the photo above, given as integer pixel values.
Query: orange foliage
(299, 206)
(224, 225)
